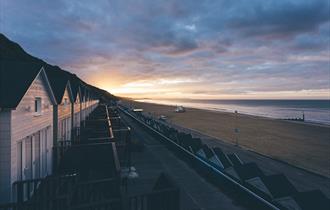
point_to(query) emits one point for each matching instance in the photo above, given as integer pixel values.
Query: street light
(236, 127)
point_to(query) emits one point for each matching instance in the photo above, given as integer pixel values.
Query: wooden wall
(64, 111)
(64, 114)
(77, 110)
(25, 121)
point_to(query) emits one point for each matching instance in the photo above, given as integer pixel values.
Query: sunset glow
(196, 49)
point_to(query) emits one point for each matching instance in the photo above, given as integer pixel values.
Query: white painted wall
(25, 122)
(87, 106)
(83, 108)
(64, 117)
(77, 110)
(92, 105)
(19, 125)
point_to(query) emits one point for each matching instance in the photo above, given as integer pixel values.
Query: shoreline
(312, 123)
(300, 144)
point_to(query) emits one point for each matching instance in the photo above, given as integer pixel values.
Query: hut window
(66, 102)
(37, 105)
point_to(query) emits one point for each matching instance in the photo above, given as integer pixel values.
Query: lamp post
(303, 116)
(236, 127)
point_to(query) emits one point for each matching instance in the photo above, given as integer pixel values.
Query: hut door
(27, 173)
(36, 158)
(20, 160)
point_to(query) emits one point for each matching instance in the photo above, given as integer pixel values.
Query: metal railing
(42, 193)
(202, 163)
(167, 199)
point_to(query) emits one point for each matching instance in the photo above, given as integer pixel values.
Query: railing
(167, 199)
(37, 189)
(75, 134)
(255, 199)
(24, 190)
(62, 193)
(39, 194)
(9, 206)
(59, 150)
(121, 139)
(95, 191)
(113, 204)
(123, 145)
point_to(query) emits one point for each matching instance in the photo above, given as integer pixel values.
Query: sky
(205, 49)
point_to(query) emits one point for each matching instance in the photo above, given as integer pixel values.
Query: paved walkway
(196, 193)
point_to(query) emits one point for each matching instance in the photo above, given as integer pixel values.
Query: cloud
(234, 47)
(280, 18)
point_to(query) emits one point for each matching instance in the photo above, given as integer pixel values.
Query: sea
(315, 111)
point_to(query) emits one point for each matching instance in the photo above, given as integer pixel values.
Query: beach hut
(234, 159)
(83, 101)
(26, 123)
(308, 200)
(275, 186)
(62, 110)
(88, 100)
(93, 100)
(76, 105)
(226, 163)
(212, 157)
(279, 185)
(248, 171)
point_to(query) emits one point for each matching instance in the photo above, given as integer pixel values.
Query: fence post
(19, 192)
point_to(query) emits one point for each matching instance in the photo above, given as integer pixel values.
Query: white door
(59, 130)
(20, 160)
(44, 152)
(36, 155)
(68, 137)
(27, 173)
(65, 129)
(49, 152)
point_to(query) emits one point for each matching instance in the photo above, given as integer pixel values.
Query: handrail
(206, 163)
(98, 181)
(92, 144)
(101, 138)
(114, 118)
(169, 199)
(98, 204)
(96, 120)
(121, 129)
(35, 189)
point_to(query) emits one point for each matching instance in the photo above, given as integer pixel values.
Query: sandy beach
(300, 144)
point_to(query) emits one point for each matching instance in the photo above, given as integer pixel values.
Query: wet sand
(300, 144)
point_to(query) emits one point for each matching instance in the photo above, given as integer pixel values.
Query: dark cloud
(279, 45)
(280, 18)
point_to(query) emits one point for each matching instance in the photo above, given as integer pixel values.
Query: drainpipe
(55, 133)
(73, 131)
